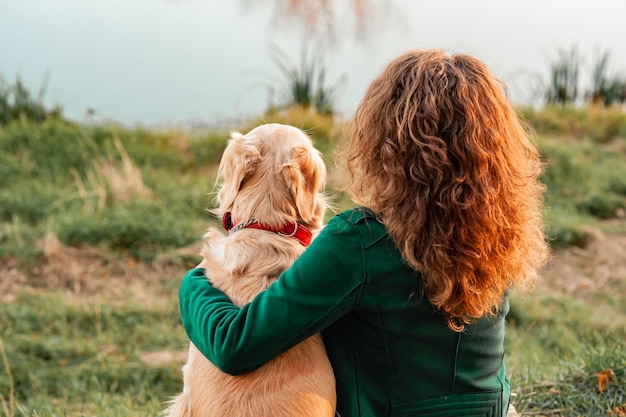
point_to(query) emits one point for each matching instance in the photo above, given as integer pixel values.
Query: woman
(410, 290)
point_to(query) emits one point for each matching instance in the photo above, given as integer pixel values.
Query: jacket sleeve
(320, 287)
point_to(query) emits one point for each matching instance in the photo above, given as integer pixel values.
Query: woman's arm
(320, 287)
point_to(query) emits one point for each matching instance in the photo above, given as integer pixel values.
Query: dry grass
(122, 178)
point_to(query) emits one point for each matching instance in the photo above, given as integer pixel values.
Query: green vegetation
(101, 185)
(115, 188)
(17, 102)
(563, 86)
(606, 90)
(564, 75)
(81, 357)
(306, 83)
(99, 223)
(583, 150)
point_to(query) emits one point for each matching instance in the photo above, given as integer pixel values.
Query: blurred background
(205, 61)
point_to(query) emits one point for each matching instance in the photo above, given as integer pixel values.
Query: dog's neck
(294, 230)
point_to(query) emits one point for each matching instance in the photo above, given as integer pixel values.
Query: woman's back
(394, 354)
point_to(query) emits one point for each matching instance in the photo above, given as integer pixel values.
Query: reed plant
(606, 90)
(564, 77)
(17, 102)
(306, 84)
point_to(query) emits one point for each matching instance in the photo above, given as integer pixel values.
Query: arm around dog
(320, 287)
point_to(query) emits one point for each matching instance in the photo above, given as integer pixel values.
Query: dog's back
(298, 383)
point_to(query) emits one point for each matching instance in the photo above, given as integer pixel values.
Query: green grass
(69, 357)
(571, 388)
(598, 124)
(586, 184)
(99, 223)
(121, 189)
(88, 354)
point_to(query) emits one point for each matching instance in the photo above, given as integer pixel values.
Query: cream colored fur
(273, 174)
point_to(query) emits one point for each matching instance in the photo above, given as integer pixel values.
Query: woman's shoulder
(357, 215)
(360, 221)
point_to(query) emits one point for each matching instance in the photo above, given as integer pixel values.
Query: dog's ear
(305, 176)
(239, 161)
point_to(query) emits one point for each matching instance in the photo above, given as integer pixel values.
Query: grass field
(99, 224)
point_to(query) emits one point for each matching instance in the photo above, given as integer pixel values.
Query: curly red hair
(441, 157)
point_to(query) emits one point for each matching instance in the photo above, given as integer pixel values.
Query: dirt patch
(600, 267)
(87, 270)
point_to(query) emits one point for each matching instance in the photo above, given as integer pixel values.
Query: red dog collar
(294, 230)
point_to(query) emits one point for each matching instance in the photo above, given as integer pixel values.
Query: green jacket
(391, 351)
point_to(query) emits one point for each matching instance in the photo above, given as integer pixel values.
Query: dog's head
(273, 174)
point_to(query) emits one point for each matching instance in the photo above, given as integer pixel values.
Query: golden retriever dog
(271, 204)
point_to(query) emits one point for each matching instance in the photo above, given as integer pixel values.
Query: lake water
(165, 62)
